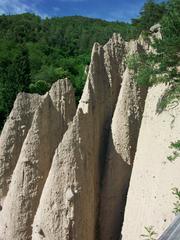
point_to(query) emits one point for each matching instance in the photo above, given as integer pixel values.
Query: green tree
(162, 66)
(21, 69)
(8, 89)
(40, 87)
(150, 14)
(168, 48)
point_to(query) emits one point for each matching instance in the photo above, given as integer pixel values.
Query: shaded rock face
(49, 123)
(150, 199)
(119, 160)
(122, 143)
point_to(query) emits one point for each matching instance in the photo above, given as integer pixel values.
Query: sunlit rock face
(50, 120)
(150, 201)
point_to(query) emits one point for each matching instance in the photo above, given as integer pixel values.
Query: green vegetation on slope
(162, 66)
(35, 52)
(150, 14)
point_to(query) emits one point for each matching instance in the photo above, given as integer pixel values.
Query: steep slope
(150, 199)
(48, 126)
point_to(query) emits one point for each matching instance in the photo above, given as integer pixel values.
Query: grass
(176, 151)
(176, 193)
(150, 233)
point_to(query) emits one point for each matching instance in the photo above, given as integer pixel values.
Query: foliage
(176, 193)
(150, 233)
(150, 14)
(168, 48)
(133, 62)
(35, 52)
(143, 67)
(40, 87)
(170, 97)
(21, 67)
(162, 65)
(14, 76)
(176, 152)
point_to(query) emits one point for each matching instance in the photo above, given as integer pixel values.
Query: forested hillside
(35, 52)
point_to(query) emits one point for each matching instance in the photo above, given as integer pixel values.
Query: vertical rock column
(12, 137)
(69, 203)
(121, 150)
(48, 126)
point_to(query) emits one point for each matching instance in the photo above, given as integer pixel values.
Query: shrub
(40, 87)
(176, 193)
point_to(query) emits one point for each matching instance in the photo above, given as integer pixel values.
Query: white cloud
(17, 7)
(12, 6)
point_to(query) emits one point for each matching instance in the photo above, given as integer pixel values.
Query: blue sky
(111, 10)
